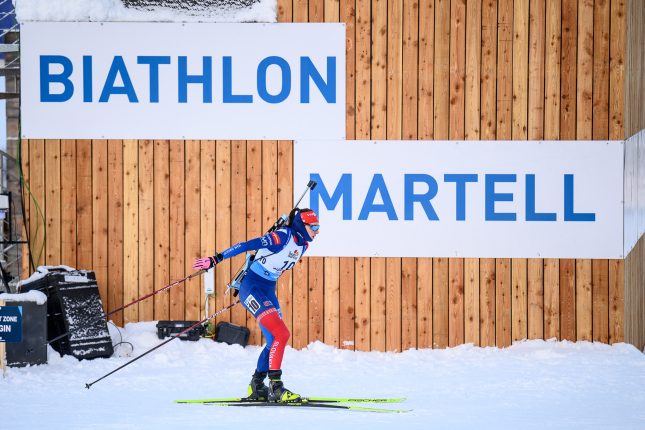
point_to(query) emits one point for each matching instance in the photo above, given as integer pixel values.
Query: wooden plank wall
(140, 212)
(634, 68)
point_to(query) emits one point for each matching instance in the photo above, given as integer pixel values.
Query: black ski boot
(277, 391)
(257, 389)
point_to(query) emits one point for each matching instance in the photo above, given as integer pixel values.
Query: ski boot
(257, 389)
(277, 391)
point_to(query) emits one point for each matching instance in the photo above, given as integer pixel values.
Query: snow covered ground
(532, 384)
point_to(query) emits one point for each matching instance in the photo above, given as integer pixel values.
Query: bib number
(288, 265)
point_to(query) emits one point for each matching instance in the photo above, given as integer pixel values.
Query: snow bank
(41, 271)
(114, 10)
(533, 384)
(32, 296)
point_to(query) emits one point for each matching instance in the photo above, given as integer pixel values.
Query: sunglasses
(313, 227)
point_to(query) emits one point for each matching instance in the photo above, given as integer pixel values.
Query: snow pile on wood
(32, 296)
(147, 10)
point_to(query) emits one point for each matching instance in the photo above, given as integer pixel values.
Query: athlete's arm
(272, 241)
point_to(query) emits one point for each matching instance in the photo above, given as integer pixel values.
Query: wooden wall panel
(348, 15)
(457, 68)
(617, 70)
(519, 279)
(537, 29)
(520, 69)
(238, 219)
(503, 296)
(394, 36)
(52, 204)
(601, 43)
(408, 303)
(600, 292)
(177, 217)
(83, 203)
(536, 298)
(552, 57)
(441, 299)
(411, 81)
(377, 308)
(100, 217)
(131, 229)
(456, 305)
(616, 301)
(26, 266)
(254, 217)
(363, 68)
(393, 304)
(442, 70)
(568, 70)
(115, 229)
(68, 202)
(331, 332)
(473, 73)
(316, 299)
(285, 203)
(487, 301)
(300, 333)
(363, 330)
(379, 70)
(551, 298)
(471, 301)
(223, 224)
(425, 301)
(285, 11)
(504, 69)
(425, 128)
(584, 304)
(193, 288)
(347, 304)
(489, 71)
(37, 187)
(568, 299)
(584, 80)
(207, 209)
(146, 232)
(162, 228)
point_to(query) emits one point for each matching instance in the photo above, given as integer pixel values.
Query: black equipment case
(34, 334)
(171, 328)
(231, 333)
(73, 300)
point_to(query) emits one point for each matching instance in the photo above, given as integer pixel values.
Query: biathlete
(277, 252)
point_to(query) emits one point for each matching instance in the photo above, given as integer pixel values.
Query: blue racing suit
(277, 252)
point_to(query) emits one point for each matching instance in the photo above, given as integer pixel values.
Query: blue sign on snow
(11, 324)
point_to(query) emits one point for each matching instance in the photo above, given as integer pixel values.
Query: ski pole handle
(310, 186)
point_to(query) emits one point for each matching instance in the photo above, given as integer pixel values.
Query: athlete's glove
(207, 262)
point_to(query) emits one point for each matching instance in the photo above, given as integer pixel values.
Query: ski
(307, 399)
(306, 405)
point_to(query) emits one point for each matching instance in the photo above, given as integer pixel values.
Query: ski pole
(92, 321)
(162, 344)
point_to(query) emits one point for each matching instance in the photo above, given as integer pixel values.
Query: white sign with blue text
(90, 80)
(493, 199)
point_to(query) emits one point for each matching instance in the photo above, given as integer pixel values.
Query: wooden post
(2, 348)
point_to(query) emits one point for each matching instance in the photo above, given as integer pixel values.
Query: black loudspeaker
(34, 334)
(73, 300)
(231, 333)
